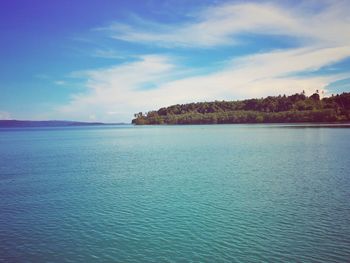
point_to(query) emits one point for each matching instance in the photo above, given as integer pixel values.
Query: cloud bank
(155, 80)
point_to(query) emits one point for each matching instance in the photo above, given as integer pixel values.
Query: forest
(273, 109)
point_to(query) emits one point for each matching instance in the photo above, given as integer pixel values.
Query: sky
(104, 60)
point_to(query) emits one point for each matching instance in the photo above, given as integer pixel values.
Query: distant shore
(27, 124)
(297, 108)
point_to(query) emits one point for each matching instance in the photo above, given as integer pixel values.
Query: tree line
(272, 109)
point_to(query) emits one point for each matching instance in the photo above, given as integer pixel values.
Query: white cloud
(221, 25)
(115, 93)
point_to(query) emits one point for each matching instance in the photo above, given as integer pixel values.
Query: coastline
(297, 108)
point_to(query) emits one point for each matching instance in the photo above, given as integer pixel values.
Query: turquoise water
(229, 193)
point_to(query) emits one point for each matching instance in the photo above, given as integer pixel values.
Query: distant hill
(272, 109)
(20, 123)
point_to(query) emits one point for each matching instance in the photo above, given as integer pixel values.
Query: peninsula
(273, 109)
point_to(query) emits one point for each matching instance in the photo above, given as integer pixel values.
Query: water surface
(217, 193)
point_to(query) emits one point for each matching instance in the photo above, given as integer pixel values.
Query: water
(229, 193)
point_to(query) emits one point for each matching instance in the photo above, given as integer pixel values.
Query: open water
(216, 193)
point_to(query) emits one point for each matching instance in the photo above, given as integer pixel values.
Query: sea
(197, 193)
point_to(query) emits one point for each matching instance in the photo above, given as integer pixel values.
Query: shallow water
(218, 193)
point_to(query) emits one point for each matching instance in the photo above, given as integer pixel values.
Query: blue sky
(105, 60)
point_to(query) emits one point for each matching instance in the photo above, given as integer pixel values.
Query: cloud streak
(153, 81)
(223, 25)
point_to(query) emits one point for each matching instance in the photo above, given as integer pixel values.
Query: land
(22, 123)
(297, 108)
